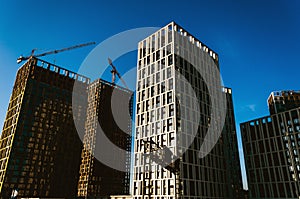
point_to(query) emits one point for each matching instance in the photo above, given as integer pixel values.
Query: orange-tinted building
(39, 146)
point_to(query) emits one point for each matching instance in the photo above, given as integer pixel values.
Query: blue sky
(257, 41)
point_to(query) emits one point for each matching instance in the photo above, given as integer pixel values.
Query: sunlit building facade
(167, 122)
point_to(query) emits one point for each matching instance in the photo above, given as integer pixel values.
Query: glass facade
(271, 147)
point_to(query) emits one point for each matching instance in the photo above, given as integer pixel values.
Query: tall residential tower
(182, 149)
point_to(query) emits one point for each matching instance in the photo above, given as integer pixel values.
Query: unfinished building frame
(96, 178)
(39, 146)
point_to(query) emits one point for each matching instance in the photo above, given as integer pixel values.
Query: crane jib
(21, 58)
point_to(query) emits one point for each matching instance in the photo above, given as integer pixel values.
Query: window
(171, 110)
(169, 125)
(170, 60)
(158, 39)
(163, 87)
(157, 55)
(152, 116)
(163, 112)
(152, 68)
(170, 84)
(163, 63)
(157, 101)
(169, 34)
(143, 95)
(152, 91)
(138, 108)
(147, 105)
(158, 77)
(153, 42)
(168, 49)
(169, 72)
(158, 89)
(169, 97)
(163, 35)
(142, 119)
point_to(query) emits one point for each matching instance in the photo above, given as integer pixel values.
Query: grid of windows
(96, 178)
(271, 146)
(155, 112)
(280, 101)
(39, 146)
(168, 115)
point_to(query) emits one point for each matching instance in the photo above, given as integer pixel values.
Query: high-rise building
(229, 139)
(280, 101)
(40, 147)
(271, 147)
(107, 117)
(173, 117)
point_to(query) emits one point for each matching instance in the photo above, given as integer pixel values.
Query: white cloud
(251, 107)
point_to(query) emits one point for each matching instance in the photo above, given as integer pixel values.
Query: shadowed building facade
(105, 164)
(231, 152)
(271, 146)
(280, 101)
(39, 147)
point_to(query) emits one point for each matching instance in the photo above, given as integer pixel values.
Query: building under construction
(105, 164)
(39, 147)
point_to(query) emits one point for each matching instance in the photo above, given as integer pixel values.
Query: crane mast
(115, 72)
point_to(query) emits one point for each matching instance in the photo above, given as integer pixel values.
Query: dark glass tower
(271, 147)
(39, 147)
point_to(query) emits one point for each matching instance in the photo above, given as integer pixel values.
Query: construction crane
(114, 73)
(21, 58)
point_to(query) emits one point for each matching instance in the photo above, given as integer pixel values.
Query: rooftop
(59, 70)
